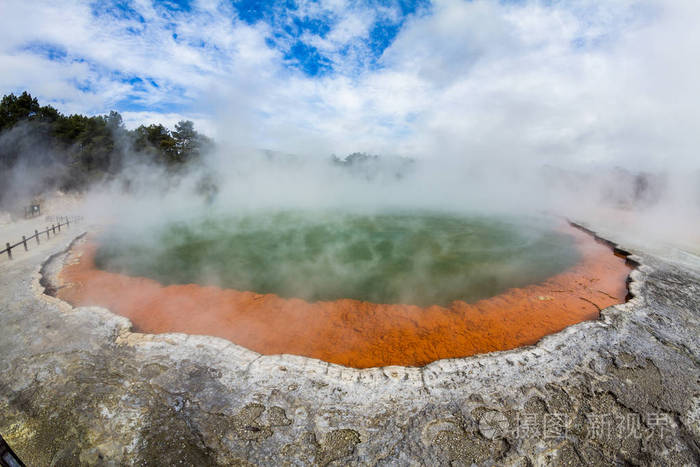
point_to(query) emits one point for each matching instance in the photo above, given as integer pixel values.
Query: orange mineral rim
(356, 333)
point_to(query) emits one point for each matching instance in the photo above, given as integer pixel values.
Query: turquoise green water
(412, 258)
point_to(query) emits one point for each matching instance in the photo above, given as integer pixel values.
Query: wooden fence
(54, 229)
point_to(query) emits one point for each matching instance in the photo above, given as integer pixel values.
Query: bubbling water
(416, 258)
(355, 333)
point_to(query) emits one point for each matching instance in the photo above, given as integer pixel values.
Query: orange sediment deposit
(352, 332)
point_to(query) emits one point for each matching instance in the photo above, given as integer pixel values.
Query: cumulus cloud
(511, 83)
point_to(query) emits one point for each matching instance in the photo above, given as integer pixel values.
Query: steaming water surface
(421, 258)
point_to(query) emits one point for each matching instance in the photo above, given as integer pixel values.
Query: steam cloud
(572, 107)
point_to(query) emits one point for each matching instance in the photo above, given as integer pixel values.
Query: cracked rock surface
(78, 387)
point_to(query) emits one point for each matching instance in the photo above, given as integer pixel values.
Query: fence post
(9, 250)
(59, 225)
(36, 234)
(47, 232)
(67, 222)
(53, 229)
(24, 242)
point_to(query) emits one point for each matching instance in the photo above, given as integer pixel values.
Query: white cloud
(573, 83)
(566, 82)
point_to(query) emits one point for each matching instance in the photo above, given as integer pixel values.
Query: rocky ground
(78, 387)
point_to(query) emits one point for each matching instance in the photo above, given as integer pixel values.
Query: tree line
(71, 151)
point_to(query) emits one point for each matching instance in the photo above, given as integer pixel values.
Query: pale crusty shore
(78, 387)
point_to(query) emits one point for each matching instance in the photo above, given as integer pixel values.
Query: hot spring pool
(353, 289)
(409, 258)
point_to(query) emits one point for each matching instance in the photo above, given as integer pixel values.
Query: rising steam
(579, 108)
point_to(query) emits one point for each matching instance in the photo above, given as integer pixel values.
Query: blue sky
(573, 78)
(308, 37)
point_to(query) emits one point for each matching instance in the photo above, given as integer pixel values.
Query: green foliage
(14, 109)
(154, 141)
(88, 148)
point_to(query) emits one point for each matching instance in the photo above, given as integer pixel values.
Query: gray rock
(79, 387)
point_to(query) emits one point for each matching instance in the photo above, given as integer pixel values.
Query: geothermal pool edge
(356, 333)
(81, 387)
(52, 283)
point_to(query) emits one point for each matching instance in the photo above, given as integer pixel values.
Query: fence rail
(54, 229)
